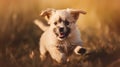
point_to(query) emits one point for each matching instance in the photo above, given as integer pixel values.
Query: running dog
(62, 37)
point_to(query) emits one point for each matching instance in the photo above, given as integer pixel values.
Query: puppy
(62, 37)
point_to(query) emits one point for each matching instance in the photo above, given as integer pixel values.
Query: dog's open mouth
(62, 35)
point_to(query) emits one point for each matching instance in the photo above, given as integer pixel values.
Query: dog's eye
(55, 23)
(66, 22)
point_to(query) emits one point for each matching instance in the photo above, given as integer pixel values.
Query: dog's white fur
(60, 49)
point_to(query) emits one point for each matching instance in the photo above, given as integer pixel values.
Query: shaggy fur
(62, 37)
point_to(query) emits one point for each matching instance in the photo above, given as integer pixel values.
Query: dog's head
(62, 21)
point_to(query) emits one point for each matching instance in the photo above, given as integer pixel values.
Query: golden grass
(19, 36)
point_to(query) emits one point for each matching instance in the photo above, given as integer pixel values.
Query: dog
(62, 38)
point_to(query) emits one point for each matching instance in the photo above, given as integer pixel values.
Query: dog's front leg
(43, 52)
(57, 55)
(79, 50)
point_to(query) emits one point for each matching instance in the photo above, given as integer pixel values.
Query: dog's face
(62, 22)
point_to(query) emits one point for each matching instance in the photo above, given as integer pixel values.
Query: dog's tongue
(62, 34)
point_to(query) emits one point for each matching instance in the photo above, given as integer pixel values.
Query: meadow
(19, 36)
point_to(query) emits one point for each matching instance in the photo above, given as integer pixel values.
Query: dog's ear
(47, 13)
(75, 13)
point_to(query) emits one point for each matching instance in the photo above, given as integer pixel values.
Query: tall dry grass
(19, 36)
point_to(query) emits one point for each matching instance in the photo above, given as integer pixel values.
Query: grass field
(99, 28)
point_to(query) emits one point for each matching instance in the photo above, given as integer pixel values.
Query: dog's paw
(82, 51)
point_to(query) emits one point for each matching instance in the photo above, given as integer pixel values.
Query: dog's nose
(61, 29)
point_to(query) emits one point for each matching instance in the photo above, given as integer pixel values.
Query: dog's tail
(41, 25)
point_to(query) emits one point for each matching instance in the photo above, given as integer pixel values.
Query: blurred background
(19, 36)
